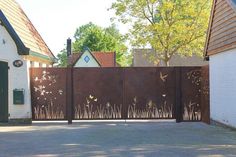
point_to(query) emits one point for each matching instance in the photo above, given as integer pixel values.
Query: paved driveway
(118, 139)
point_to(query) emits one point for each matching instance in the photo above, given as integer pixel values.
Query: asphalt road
(149, 139)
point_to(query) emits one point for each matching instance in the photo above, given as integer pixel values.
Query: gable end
(21, 49)
(88, 50)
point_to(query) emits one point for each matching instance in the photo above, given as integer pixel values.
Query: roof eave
(209, 30)
(21, 48)
(233, 6)
(36, 54)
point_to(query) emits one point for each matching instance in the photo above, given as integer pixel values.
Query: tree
(102, 39)
(62, 58)
(168, 26)
(99, 39)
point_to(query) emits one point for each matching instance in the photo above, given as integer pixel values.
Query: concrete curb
(217, 123)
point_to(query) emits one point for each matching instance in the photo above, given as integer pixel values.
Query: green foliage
(124, 59)
(101, 39)
(62, 58)
(168, 26)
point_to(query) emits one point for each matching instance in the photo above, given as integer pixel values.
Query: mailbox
(18, 96)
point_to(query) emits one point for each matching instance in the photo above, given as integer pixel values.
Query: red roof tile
(106, 59)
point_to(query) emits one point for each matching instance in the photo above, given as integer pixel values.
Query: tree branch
(150, 10)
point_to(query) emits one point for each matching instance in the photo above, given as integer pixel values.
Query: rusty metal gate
(179, 93)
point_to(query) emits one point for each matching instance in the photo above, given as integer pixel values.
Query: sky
(57, 20)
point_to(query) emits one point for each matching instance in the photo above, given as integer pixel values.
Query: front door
(3, 91)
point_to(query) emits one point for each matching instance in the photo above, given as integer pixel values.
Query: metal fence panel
(48, 93)
(191, 93)
(120, 93)
(98, 93)
(149, 93)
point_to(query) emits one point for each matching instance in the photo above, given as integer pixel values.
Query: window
(86, 59)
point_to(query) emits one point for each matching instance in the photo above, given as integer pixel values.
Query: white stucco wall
(91, 63)
(18, 77)
(223, 87)
(44, 65)
(36, 64)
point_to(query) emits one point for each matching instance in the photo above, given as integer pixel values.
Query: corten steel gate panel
(121, 93)
(149, 93)
(48, 93)
(98, 93)
(191, 93)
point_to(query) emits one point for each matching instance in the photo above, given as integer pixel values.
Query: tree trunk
(166, 59)
(167, 63)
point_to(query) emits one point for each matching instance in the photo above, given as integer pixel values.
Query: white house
(220, 49)
(21, 47)
(85, 59)
(93, 59)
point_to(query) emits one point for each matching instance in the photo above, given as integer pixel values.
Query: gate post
(124, 110)
(205, 95)
(69, 84)
(69, 94)
(178, 106)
